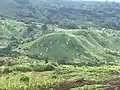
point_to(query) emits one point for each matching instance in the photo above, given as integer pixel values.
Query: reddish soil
(111, 85)
(114, 84)
(69, 85)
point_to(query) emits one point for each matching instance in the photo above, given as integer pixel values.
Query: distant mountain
(93, 14)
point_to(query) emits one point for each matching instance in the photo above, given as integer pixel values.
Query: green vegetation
(33, 76)
(59, 45)
(64, 13)
(47, 42)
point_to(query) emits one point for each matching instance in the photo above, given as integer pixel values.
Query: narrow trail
(69, 85)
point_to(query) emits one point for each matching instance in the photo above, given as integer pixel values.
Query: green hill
(78, 45)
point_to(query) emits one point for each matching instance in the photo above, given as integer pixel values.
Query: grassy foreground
(40, 76)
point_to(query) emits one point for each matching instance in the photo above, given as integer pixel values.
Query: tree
(31, 27)
(69, 26)
(63, 60)
(85, 27)
(44, 28)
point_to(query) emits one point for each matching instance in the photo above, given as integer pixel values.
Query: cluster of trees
(69, 16)
(69, 26)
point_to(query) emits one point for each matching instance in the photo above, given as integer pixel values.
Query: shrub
(7, 70)
(11, 63)
(49, 67)
(39, 68)
(22, 68)
(44, 27)
(69, 26)
(25, 79)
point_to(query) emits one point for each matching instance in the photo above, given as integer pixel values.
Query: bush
(49, 67)
(44, 27)
(22, 68)
(69, 26)
(7, 70)
(25, 79)
(11, 63)
(39, 68)
(85, 27)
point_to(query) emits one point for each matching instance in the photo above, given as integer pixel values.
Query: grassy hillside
(59, 45)
(73, 45)
(76, 44)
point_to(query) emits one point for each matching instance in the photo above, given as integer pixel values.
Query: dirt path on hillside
(111, 85)
(114, 84)
(69, 85)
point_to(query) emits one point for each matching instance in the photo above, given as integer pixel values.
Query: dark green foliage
(41, 68)
(63, 60)
(11, 63)
(94, 62)
(25, 79)
(69, 26)
(44, 28)
(85, 27)
(22, 68)
(49, 67)
(31, 27)
(1, 63)
(2, 18)
(7, 70)
(46, 61)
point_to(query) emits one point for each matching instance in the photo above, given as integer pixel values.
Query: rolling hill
(42, 29)
(74, 45)
(77, 44)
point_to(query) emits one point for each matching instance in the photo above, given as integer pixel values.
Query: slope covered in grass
(76, 44)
